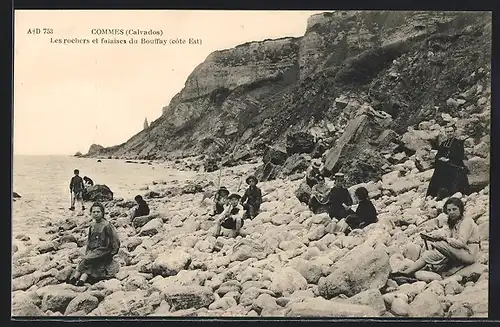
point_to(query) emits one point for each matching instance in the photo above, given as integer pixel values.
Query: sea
(43, 184)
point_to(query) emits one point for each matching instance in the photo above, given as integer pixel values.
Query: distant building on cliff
(146, 124)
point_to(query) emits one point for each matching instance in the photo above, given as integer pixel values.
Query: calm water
(43, 183)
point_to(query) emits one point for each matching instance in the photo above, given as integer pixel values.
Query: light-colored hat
(316, 164)
(339, 175)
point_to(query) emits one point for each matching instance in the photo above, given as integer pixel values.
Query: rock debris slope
(290, 264)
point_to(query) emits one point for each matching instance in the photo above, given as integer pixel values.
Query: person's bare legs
(342, 226)
(237, 226)
(73, 199)
(80, 200)
(82, 280)
(216, 231)
(75, 276)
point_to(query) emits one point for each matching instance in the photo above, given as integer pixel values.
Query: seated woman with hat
(253, 198)
(220, 199)
(232, 216)
(313, 172)
(319, 201)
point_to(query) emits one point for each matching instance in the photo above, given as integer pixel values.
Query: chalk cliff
(406, 64)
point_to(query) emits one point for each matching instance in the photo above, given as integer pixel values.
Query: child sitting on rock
(319, 201)
(232, 216)
(102, 244)
(220, 200)
(142, 207)
(253, 198)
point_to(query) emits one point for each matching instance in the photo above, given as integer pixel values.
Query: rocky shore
(288, 264)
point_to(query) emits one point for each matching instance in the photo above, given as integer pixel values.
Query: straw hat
(316, 164)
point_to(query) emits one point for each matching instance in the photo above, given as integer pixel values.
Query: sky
(69, 96)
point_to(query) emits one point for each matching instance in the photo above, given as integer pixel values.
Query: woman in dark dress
(365, 214)
(102, 245)
(450, 173)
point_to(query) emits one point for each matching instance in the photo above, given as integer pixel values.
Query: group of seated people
(233, 208)
(453, 246)
(337, 201)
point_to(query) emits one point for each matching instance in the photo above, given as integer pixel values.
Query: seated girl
(365, 214)
(455, 245)
(220, 200)
(319, 201)
(102, 245)
(142, 208)
(231, 218)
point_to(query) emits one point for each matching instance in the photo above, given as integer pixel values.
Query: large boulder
(363, 268)
(352, 133)
(98, 192)
(418, 139)
(426, 304)
(121, 303)
(248, 248)
(286, 281)
(26, 308)
(170, 263)
(296, 163)
(57, 299)
(83, 302)
(300, 142)
(138, 222)
(317, 307)
(479, 173)
(476, 297)
(303, 193)
(184, 297)
(275, 156)
(268, 172)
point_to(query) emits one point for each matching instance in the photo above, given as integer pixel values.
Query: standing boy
(76, 188)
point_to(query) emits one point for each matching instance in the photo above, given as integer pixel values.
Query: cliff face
(403, 63)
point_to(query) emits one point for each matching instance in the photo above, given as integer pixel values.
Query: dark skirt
(354, 221)
(100, 268)
(251, 210)
(338, 212)
(219, 208)
(311, 182)
(230, 223)
(317, 207)
(450, 178)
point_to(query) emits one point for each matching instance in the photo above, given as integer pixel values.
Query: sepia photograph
(258, 164)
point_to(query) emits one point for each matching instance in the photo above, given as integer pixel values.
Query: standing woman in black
(450, 173)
